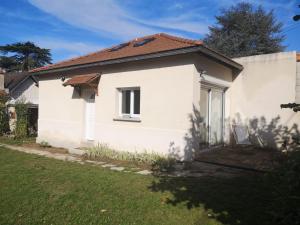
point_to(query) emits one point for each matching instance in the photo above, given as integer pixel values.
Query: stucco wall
(169, 88)
(1, 80)
(256, 94)
(297, 100)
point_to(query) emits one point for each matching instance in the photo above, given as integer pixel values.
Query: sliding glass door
(211, 116)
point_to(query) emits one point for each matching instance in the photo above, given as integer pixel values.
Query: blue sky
(75, 27)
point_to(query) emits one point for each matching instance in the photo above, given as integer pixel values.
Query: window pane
(126, 102)
(136, 107)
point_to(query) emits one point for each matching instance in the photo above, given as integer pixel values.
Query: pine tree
(243, 30)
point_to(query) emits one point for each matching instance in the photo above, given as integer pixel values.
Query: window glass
(136, 107)
(126, 102)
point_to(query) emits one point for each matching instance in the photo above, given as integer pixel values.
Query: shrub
(4, 120)
(21, 130)
(286, 195)
(156, 161)
(45, 144)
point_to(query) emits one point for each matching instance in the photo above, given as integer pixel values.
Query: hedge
(21, 130)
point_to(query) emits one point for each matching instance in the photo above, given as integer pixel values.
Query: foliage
(8, 63)
(21, 129)
(45, 144)
(286, 181)
(26, 56)
(4, 120)
(158, 162)
(243, 30)
(16, 141)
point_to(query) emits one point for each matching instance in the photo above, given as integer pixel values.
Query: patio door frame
(210, 87)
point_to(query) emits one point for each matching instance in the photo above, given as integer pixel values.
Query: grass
(17, 141)
(38, 190)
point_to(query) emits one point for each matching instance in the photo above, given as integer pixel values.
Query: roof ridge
(180, 39)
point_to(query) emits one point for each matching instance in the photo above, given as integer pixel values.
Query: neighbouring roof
(13, 79)
(157, 43)
(3, 93)
(298, 57)
(82, 79)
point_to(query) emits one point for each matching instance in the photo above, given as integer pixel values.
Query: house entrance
(90, 117)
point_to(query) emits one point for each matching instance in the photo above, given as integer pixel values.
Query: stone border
(74, 158)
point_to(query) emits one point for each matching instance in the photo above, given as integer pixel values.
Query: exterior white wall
(256, 94)
(60, 114)
(1, 80)
(169, 89)
(297, 100)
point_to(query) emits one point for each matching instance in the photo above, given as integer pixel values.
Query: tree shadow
(196, 138)
(272, 134)
(239, 200)
(243, 199)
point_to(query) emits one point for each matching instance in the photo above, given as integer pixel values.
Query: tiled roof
(159, 43)
(12, 79)
(298, 57)
(3, 93)
(81, 79)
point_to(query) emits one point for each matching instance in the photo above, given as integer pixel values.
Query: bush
(4, 120)
(285, 207)
(21, 130)
(156, 161)
(45, 144)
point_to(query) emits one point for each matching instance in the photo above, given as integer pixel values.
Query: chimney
(2, 72)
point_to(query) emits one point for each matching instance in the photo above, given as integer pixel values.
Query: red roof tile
(161, 42)
(81, 79)
(3, 93)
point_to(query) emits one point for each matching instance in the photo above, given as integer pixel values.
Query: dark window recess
(136, 107)
(143, 42)
(126, 102)
(118, 47)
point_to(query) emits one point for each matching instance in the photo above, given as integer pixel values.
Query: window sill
(137, 120)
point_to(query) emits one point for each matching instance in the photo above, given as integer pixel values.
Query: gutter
(210, 53)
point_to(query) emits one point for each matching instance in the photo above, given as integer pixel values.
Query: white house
(22, 87)
(157, 93)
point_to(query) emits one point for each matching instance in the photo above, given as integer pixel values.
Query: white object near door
(90, 118)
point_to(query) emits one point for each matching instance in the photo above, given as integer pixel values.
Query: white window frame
(131, 114)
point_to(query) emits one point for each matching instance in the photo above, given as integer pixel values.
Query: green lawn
(38, 190)
(17, 141)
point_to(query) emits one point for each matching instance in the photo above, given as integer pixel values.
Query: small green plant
(156, 161)
(285, 181)
(45, 144)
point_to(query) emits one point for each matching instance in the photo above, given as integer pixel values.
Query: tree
(297, 17)
(25, 56)
(243, 30)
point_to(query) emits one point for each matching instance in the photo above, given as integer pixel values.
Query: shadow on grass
(239, 200)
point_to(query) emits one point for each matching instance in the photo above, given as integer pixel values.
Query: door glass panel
(203, 126)
(216, 120)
